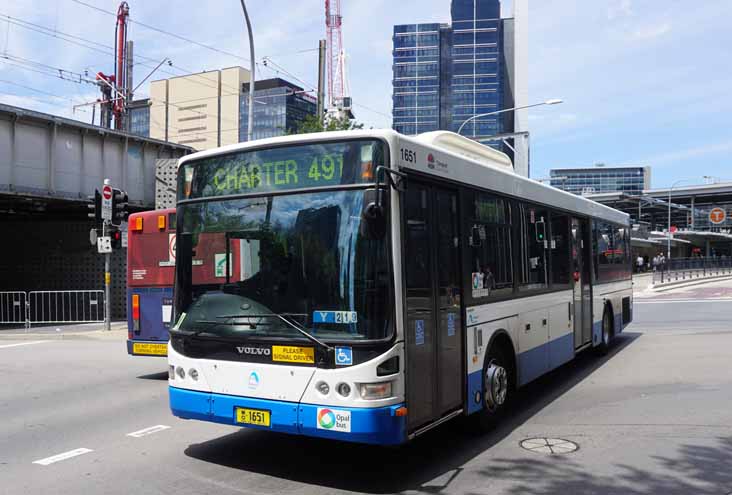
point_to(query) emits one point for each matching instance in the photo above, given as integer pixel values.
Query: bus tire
(498, 382)
(606, 336)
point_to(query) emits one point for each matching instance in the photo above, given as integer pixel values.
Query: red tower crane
(114, 88)
(338, 99)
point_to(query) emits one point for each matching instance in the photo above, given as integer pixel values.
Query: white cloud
(650, 32)
(619, 8)
(679, 155)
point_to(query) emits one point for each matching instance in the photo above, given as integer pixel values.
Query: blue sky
(644, 82)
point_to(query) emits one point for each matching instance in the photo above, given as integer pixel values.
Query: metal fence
(680, 269)
(13, 307)
(52, 306)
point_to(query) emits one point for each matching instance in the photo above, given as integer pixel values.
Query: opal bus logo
(333, 420)
(326, 419)
(253, 380)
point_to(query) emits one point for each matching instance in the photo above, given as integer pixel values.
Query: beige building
(198, 110)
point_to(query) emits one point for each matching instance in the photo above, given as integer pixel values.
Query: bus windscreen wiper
(283, 317)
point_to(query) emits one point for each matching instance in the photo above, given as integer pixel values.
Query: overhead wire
(162, 31)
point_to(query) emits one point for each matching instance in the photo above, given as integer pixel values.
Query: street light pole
(668, 232)
(547, 102)
(250, 116)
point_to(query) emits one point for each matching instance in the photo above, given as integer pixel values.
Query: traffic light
(540, 230)
(115, 235)
(95, 205)
(119, 206)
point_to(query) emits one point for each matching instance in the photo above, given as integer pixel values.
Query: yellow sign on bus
(292, 354)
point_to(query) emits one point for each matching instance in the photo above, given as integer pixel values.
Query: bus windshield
(298, 255)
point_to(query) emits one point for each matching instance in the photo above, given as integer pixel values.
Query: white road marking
(24, 343)
(148, 431)
(664, 301)
(62, 457)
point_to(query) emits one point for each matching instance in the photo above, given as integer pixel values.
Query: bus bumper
(380, 426)
(147, 348)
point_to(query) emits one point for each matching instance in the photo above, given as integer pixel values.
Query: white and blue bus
(368, 286)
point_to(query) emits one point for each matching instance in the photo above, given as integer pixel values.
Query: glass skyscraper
(279, 106)
(443, 74)
(601, 179)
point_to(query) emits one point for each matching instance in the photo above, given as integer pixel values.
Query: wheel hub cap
(496, 386)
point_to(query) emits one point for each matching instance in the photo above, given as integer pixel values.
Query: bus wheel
(607, 334)
(497, 382)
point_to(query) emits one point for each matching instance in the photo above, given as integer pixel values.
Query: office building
(279, 107)
(630, 180)
(210, 109)
(138, 113)
(199, 110)
(446, 73)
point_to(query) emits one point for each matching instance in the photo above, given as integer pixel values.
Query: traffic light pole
(107, 287)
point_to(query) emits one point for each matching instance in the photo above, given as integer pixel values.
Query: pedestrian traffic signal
(120, 206)
(95, 205)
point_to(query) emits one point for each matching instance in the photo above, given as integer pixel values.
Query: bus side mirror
(373, 214)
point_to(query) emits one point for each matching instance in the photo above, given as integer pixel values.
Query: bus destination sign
(283, 168)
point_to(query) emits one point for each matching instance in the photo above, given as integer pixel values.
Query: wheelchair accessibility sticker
(343, 356)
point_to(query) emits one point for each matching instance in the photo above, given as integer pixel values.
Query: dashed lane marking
(148, 431)
(62, 457)
(24, 343)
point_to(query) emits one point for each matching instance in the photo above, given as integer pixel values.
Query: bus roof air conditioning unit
(455, 143)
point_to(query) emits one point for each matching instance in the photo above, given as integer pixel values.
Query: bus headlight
(344, 389)
(323, 388)
(193, 373)
(171, 372)
(372, 391)
(181, 372)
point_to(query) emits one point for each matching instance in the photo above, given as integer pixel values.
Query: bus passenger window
(491, 262)
(534, 248)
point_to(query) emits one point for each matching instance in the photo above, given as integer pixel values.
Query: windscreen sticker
(167, 310)
(450, 324)
(419, 332)
(343, 356)
(337, 317)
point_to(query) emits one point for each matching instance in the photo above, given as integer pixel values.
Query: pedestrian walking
(639, 264)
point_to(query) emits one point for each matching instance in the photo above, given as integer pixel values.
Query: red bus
(150, 272)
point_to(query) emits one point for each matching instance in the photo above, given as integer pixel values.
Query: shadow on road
(163, 375)
(428, 464)
(692, 470)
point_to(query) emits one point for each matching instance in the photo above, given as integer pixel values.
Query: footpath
(74, 331)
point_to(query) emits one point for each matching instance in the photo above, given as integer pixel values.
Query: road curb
(91, 335)
(687, 283)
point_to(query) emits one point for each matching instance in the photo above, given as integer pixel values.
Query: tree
(312, 123)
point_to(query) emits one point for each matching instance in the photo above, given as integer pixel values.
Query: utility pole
(107, 200)
(321, 80)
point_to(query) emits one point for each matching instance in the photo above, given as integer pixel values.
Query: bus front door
(582, 289)
(433, 303)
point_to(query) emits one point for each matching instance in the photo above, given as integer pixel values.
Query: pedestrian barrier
(13, 307)
(52, 306)
(680, 269)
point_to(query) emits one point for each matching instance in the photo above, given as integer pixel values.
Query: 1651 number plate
(256, 417)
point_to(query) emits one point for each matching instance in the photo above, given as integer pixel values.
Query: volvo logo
(254, 351)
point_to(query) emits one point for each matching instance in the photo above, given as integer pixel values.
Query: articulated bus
(376, 285)
(150, 274)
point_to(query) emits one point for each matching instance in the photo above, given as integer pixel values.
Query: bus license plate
(149, 349)
(252, 416)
